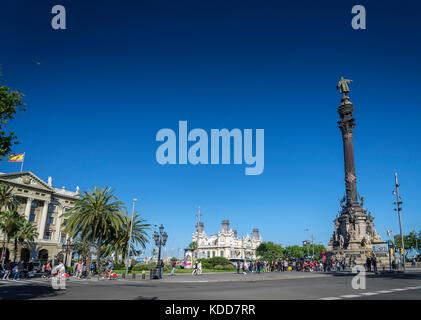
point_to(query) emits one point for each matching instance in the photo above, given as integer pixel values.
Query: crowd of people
(16, 270)
(298, 265)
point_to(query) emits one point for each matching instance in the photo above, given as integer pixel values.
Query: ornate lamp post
(160, 240)
(67, 247)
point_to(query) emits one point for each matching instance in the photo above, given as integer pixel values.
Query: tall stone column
(28, 207)
(41, 226)
(58, 224)
(347, 125)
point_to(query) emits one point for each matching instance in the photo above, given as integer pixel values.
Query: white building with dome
(226, 243)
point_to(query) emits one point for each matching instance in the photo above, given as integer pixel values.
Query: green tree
(26, 234)
(410, 241)
(9, 224)
(10, 104)
(193, 245)
(8, 200)
(270, 251)
(98, 214)
(139, 235)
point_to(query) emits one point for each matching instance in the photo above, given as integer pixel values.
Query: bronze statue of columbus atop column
(347, 125)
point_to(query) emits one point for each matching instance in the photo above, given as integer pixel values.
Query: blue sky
(123, 70)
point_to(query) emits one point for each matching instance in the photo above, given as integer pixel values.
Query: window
(26, 191)
(19, 189)
(47, 235)
(37, 193)
(66, 209)
(52, 207)
(222, 253)
(213, 253)
(64, 222)
(50, 220)
(31, 217)
(34, 204)
(208, 254)
(63, 238)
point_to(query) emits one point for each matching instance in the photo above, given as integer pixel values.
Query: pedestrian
(6, 271)
(48, 269)
(368, 263)
(238, 267)
(173, 268)
(374, 263)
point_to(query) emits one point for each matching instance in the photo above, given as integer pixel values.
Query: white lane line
(399, 289)
(384, 291)
(331, 298)
(351, 296)
(369, 293)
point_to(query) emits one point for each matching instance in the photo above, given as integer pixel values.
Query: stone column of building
(347, 125)
(28, 207)
(41, 226)
(58, 223)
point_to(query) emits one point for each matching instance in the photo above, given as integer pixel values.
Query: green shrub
(210, 263)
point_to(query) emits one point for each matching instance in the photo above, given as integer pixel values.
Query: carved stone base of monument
(354, 237)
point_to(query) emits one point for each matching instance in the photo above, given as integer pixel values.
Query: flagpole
(23, 160)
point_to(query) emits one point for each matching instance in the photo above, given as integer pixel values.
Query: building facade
(44, 205)
(226, 243)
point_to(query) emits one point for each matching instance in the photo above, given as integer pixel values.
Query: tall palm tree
(96, 213)
(26, 234)
(139, 235)
(9, 225)
(8, 202)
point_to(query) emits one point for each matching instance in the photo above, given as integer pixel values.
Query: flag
(16, 157)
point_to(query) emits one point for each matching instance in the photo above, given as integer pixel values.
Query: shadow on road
(27, 291)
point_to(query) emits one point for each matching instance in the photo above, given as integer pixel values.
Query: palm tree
(26, 234)
(9, 203)
(9, 225)
(97, 213)
(139, 235)
(8, 200)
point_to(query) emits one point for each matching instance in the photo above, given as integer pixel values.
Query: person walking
(238, 267)
(48, 269)
(173, 268)
(6, 271)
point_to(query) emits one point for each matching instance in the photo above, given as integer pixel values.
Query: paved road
(287, 286)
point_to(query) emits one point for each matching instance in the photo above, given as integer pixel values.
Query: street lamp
(67, 248)
(130, 238)
(398, 208)
(160, 240)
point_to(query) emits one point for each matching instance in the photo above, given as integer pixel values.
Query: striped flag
(16, 157)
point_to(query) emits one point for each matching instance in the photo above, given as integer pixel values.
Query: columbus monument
(354, 233)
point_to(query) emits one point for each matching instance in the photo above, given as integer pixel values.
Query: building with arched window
(43, 205)
(226, 243)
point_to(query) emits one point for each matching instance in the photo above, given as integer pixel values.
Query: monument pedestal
(354, 237)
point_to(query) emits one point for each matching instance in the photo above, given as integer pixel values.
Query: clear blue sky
(123, 70)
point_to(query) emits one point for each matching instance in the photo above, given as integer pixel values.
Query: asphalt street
(283, 286)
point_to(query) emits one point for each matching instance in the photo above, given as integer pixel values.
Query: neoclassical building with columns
(44, 205)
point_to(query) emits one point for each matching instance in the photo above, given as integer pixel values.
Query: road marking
(384, 291)
(369, 293)
(351, 296)
(399, 289)
(331, 298)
